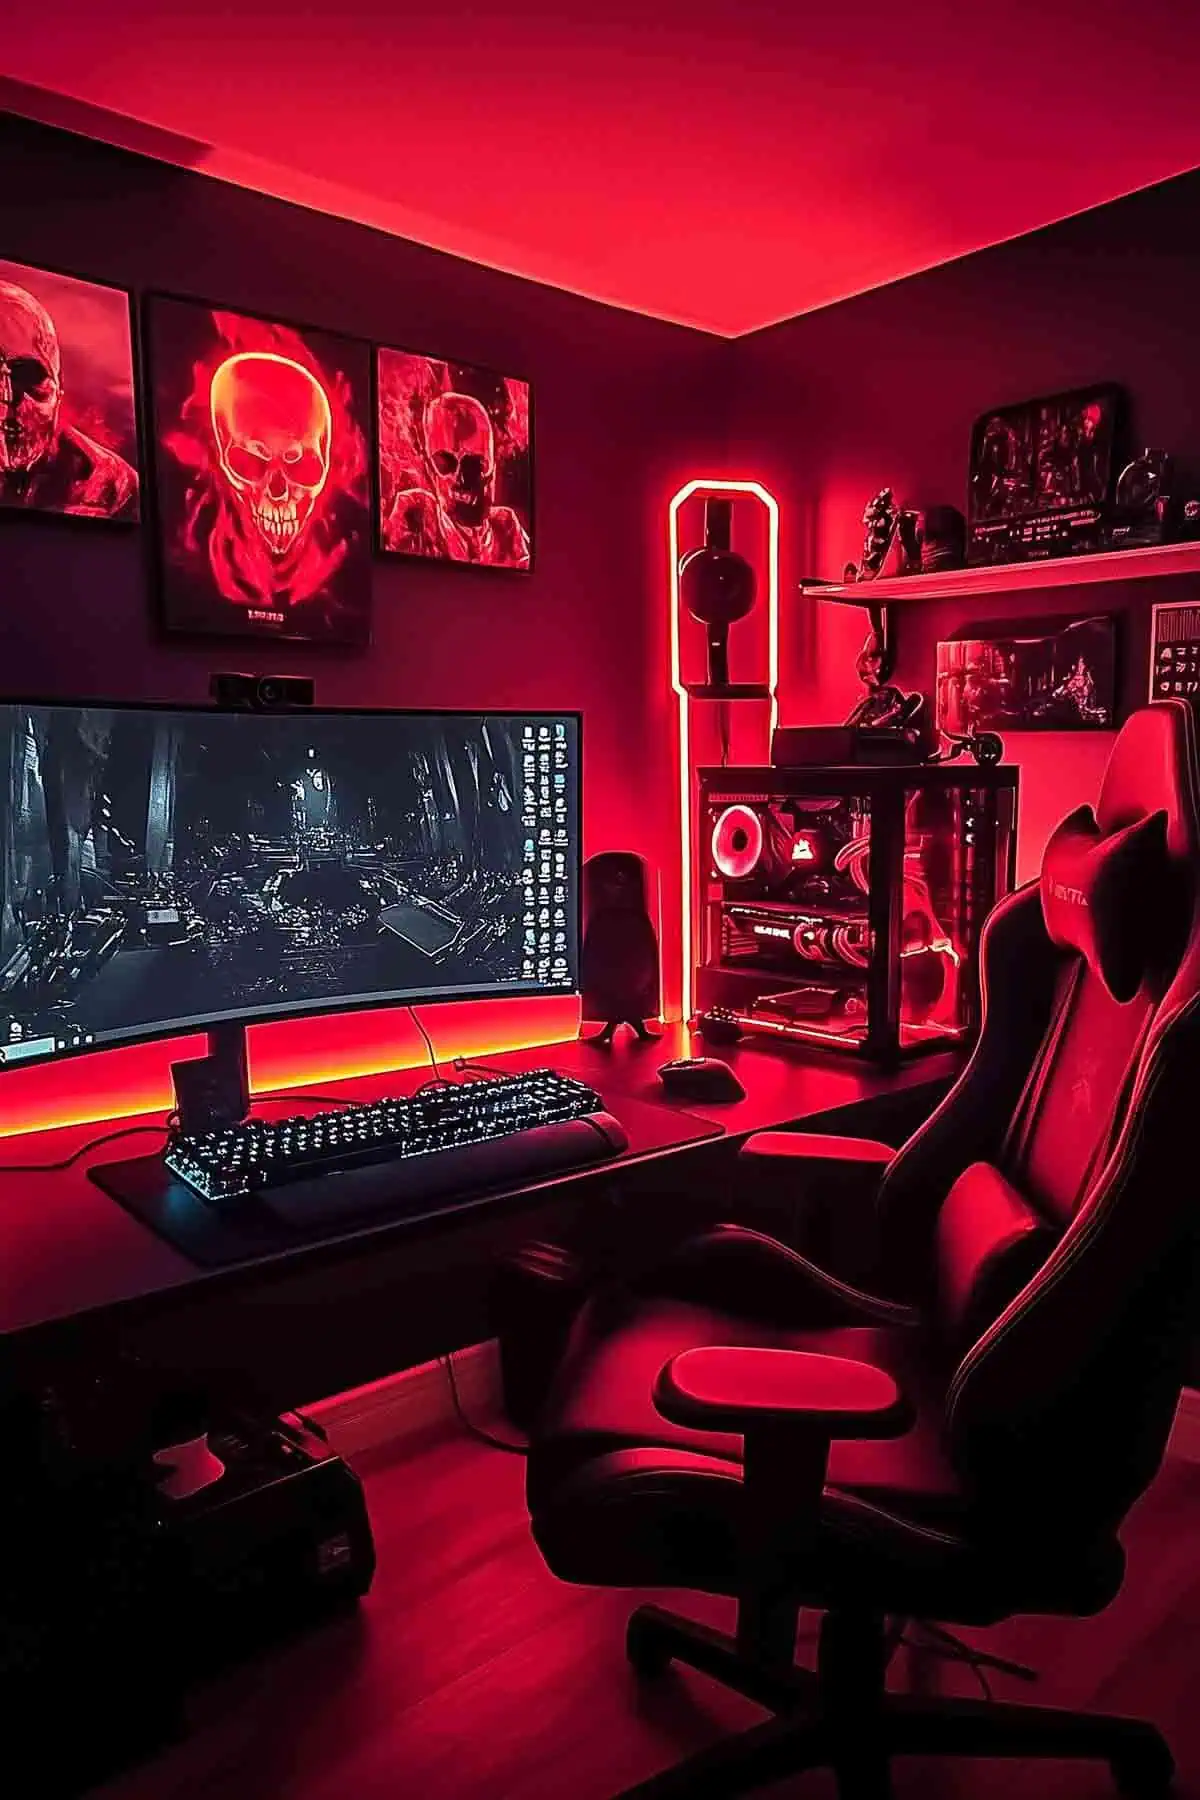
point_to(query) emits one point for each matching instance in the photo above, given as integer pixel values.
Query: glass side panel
(955, 860)
(785, 940)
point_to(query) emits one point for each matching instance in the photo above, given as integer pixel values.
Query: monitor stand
(213, 1091)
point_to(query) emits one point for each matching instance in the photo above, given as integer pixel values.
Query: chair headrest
(1152, 768)
(1099, 894)
(1112, 880)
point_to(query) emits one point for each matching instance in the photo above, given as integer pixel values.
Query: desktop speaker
(619, 972)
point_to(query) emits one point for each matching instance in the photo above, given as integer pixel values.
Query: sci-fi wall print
(68, 413)
(261, 472)
(455, 474)
(1057, 676)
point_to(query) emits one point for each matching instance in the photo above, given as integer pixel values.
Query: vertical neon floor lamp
(683, 694)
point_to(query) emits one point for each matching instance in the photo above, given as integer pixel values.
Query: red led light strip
(756, 491)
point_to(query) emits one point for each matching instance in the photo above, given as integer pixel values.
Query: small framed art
(1056, 676)
(455, 473)
(68, 409)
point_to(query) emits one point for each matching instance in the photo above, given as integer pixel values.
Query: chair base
(841, 1719)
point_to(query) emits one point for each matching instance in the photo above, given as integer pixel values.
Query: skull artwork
(273, 427)
(462, 457)
(30, 379)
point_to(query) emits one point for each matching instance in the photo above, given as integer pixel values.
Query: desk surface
(67, 1249)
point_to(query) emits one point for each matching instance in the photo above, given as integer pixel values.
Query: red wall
(883, 389)
(625, 410)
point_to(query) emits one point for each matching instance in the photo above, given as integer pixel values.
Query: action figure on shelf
(886, 525)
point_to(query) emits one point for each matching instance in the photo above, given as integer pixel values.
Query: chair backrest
(1047, 1214)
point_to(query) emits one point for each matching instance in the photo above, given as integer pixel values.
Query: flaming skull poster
(68, 421)
(261, 475)
(455, 462)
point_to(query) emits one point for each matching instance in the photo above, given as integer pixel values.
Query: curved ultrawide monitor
(167, 869)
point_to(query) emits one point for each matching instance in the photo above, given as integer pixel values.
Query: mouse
(700, 1078)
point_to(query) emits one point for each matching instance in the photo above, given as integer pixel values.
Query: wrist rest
(398, 1187)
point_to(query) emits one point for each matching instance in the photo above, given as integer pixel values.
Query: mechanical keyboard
(448, 1139)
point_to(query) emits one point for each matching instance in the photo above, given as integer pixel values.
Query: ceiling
(724, 163)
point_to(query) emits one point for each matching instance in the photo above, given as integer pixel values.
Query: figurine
(1143, 510)
(887, 526)
(882, 707)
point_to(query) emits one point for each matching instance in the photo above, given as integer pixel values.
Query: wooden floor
(471, 1674)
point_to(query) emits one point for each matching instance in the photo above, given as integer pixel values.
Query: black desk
(79, 1275)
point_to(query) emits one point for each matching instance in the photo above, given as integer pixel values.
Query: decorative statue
(882, 706)
(886, 525)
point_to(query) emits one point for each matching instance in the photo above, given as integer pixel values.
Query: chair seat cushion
(618, 1496)
(603, 1399)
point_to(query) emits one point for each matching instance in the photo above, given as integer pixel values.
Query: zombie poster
(68, 419)
(261, 475)
(455, 462)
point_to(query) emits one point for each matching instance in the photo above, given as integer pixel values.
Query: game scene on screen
(159, 869)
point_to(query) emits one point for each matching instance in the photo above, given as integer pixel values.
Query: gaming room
(599, 903)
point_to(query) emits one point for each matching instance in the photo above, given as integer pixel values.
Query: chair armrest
(734, 1264)
(720, 1388)
(787, 1406)
(797, 1147)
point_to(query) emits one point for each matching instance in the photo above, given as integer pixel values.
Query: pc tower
(842, 907)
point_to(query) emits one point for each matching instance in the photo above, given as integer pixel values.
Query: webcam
(262, 693)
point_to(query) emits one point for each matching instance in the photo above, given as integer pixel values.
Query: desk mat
(218, 1238)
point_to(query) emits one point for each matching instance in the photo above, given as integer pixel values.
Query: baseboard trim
(1184, 1444)
(416, 1404)
(411, 1405)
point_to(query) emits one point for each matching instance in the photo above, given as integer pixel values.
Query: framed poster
(261, 475)
(68, 410)
(1041, 475)
(455, 471)
(1175, 652)
(1058, 676)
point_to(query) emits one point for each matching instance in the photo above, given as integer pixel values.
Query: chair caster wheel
(648, 1654)
(1145, 1774)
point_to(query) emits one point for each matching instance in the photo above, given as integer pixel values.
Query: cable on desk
(167, 1126)
(438, 1080)
(67, 1162)
(342, 1100)
(469, 1425)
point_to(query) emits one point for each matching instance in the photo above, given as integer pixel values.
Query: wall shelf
(1011, 578)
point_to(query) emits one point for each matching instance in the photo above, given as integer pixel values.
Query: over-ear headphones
(717, 586)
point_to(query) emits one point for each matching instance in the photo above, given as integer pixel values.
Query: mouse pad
(217, 1238)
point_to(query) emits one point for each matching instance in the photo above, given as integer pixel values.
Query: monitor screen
(162, 870)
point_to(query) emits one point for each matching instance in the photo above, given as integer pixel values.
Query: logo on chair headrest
(1074, 895)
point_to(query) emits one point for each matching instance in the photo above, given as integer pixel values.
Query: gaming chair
(964, 1443)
